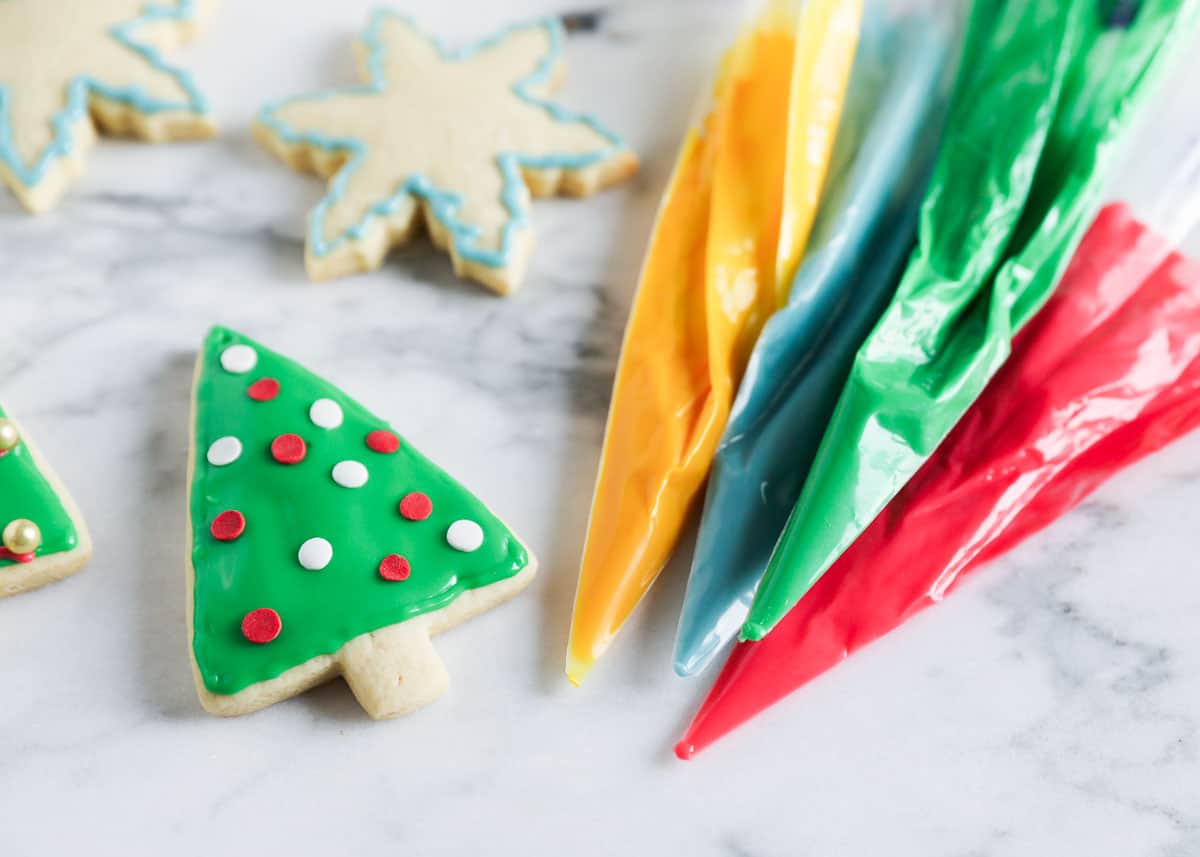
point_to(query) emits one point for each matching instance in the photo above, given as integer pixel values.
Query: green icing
(284, 505)
(26, 493)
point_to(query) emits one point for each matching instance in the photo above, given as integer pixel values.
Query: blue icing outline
(443, 203)
(81, 86)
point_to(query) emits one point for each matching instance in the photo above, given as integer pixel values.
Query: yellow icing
(727, 240)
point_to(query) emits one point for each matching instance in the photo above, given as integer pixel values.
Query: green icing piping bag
(1044, 91)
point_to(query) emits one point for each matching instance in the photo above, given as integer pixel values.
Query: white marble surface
(1050, 707)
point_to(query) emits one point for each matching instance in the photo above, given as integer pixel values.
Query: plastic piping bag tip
(685, 668)
(684, 750)
(578, 669)
(753, 632)
(693, 658)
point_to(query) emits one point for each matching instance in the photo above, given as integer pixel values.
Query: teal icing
(443, 203)
(80, 88)
(885, 145)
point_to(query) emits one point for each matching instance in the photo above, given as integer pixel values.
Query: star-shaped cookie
(68, 68)
(452, 139)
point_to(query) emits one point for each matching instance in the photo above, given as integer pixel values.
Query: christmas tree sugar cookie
(68, 68)
(42, 534)
(323, 544)
(454, 140)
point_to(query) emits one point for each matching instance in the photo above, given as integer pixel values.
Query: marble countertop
(1050, 707)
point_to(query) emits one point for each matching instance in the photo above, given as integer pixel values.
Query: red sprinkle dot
(228, 525)
(263, 390)
(394, 567)
(383, 441)
(262, 625)
(288, 449)
(416, 506)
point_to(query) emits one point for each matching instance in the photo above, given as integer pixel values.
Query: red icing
(4, 452)
(1106, 374)
(5, 553)
(262, 625)
(228, 525)
(394, 567)
(416, 506)
(288, 449)
(263, 390)
(382, 440)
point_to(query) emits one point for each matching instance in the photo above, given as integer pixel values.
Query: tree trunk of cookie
(394, 670)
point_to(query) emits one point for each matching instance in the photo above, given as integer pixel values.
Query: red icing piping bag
(1108, 373)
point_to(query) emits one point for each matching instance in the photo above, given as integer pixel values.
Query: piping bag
(1036, 110)
(1108, 373)
(728, 237)
(866, 226)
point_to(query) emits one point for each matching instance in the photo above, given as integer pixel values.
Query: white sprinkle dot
(315, 554)
(465, 536)
(326, 413)
(239, 359)
(224, 450)
(350, 474)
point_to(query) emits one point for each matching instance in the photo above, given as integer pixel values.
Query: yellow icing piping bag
(755, 160)
(824, 53)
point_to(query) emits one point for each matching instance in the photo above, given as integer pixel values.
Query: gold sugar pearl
(9, 437)
(22, 536)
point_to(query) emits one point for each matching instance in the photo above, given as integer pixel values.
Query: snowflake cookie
(69, 67)
(454, 139)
